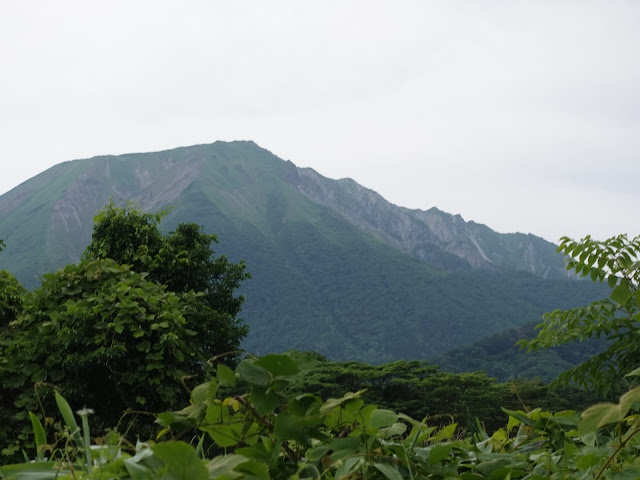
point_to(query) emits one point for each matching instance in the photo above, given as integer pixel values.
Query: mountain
(437, 237)
(498, 356)
(335, 267)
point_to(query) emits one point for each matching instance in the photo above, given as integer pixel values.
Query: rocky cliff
(437, 237)
(335, 267)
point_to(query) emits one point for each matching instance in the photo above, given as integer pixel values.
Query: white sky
(523, 115)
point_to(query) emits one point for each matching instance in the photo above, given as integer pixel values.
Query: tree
(11, 300)
(11, 293)
(183, 261)
(104, 336)
(259, 429)
(421, 390)
(616, 318)
(132, 326)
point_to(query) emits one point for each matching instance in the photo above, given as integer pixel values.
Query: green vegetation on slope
(267, 419)
(140, 316)
(499, 356)
(261, 432)
(340, 291)
(26, 219)
(421, 390)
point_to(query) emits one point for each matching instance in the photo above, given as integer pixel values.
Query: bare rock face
(58, 206)
(442, 239)
(314, 245)
(151, 186)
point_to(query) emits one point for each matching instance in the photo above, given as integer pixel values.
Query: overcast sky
(521, 115)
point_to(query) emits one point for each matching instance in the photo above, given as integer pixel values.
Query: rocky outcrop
(250, 183)
(440, 238)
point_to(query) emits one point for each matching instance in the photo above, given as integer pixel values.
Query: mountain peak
(440, 238)
(155, 180)
(335, 267)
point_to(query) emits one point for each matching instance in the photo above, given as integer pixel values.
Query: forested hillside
(147, 321)
(335, 268)
(498, 356)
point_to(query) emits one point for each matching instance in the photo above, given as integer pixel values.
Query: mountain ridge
(416, 231)
(435, 236)
(382, 281)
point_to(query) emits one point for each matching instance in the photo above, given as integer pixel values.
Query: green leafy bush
(264, 433)
(183, 261)
(420, 389)
(11, 298)
(129, 328)
(103, 335)
(617, 318)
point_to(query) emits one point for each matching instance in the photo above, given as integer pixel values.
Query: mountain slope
(335, 268)
(435, 236)
(498, 356)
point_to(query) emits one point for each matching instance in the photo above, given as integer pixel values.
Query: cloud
(476, 107)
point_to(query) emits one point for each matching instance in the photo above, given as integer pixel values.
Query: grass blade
(41, 436)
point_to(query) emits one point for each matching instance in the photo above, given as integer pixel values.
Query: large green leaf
(332, 403)
(303, 361)
(287, 428)
(253, 374)
(40, 435)
(444, 433)
(34, 471)
(518, 415)
(253, 470)
(138, 471)
(181, 460)
(383, 418)
(278, 365)
(344, 447)
(225, 435)
(439, 452)
(305, 405)
(634, 373)
(223, 464)
(628, 399)
(587, 461)
(69, 419)
(316, 453)
(226, 376)
(598, 416)
(264, 400)
(204, 392)
(388, 471)
(347, 466)
(603, 414)
(622, 293)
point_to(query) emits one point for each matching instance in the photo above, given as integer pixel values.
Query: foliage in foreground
(617, 318)
(265, 433)
(128, 327)
(421, 390)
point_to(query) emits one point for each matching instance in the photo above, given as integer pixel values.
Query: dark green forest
(498, 356)
(320, 251)
(144, 336)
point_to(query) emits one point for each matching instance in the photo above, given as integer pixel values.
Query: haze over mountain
(336, 268)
